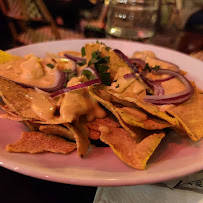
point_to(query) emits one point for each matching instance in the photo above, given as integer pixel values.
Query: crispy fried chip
(6, 57)
(149, 122)
(115, 61)
(148, 107)
(81, 135)
(57, 130)
(136, 132)
(94, 134)
(32, 126)
(94, 125)
(128, 150)
(36, 142)
(15, 98)
(190, 116)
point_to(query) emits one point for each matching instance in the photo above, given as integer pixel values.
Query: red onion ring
(139, 62)
(75, 87)
(176, 68)
(129, 75)
(176, 98)
(74, 58)
(126, 59)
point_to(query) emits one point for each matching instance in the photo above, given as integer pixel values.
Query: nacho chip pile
(114, 112)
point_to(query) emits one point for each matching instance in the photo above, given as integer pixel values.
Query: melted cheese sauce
(79, 102)
(120, 83)
(41, 105)
(138, 115)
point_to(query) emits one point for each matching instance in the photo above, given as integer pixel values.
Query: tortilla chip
(15, 97)
(190, 116)
(94, 134)
(6, 57)
(136, 132)
(32, 126)
(128, 150)
(148, 107)
(36, 142)
(115, 61)
(57, 130)
(149, 123)
(81, 135)
(107, 121)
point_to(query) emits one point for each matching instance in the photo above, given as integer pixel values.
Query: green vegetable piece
(82, 63)
(83, 51)
(88, 74)
(50, 65)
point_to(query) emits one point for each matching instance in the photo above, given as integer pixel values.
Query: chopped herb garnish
(81, 63)
(156, 68)
(88, 74)
(70, 74)
(107, 48)
(101, 65)
(149, 69)
(117, 86)
(50, 65)
(115, 80)
(83, 51)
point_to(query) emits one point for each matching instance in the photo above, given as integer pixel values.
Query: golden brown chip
(136, 132)
(36, 142)
(190, 116)
(81, 135)
(141, 119)
(128, 150)
(115, 61)
(94, 134)
(148, 107)
(15, 98)
(57, 130)
(107, 121)
(32, 126)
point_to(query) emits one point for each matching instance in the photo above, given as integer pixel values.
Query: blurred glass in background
(132, 19)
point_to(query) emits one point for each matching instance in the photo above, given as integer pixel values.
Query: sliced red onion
(176, 98)
(74, 58)
(155, 86)
(158, 89)
(129, 75)
(164, 79)
(175, 67)
(139, 62)
(59, 83)
(75, 87)
(127, 60)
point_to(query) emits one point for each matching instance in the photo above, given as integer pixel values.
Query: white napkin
(184, 190)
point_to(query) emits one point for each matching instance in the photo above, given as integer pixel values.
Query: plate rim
(105, 182)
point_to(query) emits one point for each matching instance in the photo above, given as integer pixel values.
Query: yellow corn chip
(15, 98)
(6, 57)
(128, 150)
(190, 116)
(57, 130)
(81, 135)
(36, 142)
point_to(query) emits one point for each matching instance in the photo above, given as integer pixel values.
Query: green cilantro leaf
(105, 77)
(50, 65)
(83, 51)
(88, 74)
(82, 63)
(149, 69)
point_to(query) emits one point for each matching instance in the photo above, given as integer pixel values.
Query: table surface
(20, 188)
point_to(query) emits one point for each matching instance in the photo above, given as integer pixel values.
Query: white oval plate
(176, 156)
